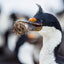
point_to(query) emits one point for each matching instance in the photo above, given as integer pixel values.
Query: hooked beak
(37, 26)
(34, 24)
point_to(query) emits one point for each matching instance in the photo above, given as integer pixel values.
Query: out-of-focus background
(15, 49)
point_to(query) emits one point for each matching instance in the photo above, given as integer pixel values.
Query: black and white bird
(28, 48)
(51, 31)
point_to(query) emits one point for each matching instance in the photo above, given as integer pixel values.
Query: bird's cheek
(39, 28)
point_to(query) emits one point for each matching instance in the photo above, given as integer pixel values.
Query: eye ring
(39, 21)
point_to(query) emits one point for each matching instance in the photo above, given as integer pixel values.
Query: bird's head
(36, 18)
(39, 20)
(45, 19)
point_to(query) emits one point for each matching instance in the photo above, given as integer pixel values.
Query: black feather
(48, 19)
(39, 11)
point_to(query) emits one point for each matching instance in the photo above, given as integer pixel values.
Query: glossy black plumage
(48, 19)
(58, 58)
(20, 42)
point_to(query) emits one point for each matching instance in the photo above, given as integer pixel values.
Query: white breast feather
(51, 38)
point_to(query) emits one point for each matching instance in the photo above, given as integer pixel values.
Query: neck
(51, 39)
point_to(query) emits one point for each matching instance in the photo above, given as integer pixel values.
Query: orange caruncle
(32, 19)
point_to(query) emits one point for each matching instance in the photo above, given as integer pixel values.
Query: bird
(31, 43)
(51, 31)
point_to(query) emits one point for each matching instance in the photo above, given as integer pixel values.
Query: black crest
(39, 11)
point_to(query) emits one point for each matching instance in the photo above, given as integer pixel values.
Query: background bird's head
(45, 19)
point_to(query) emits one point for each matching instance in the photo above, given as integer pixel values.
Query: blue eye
(40, 21)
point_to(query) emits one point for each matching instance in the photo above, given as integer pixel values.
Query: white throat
(51, 38)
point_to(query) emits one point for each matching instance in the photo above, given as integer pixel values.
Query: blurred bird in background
(28, 46)
(29, 52)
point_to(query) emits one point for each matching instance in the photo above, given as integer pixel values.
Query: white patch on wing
(12, 39)
(51, 38)
(25, 53)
